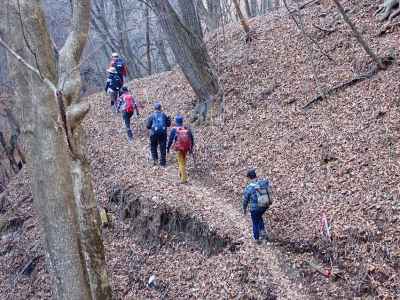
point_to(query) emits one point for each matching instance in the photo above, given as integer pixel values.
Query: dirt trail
(203, 201)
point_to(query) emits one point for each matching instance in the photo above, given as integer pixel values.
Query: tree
(243, 21)
(191, 54)
(49, 97)
(388, 10)
(214, 11)
(358, 36)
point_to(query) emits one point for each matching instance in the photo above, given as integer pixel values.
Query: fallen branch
(325, 30)
(304, 5)
(385, 61)
(343, 85)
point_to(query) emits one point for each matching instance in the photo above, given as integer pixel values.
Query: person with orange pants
(181, 138)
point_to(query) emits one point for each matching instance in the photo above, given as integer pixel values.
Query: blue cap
(179, 120)
(157, 106)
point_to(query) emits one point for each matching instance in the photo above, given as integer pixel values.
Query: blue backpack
(159, 125)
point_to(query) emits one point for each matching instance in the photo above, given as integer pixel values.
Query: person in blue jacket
(157, 123)
(257, 197)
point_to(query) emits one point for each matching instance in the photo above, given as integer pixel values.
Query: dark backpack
(183, 141)
(116, 82)
(159, 124)
(119, 65)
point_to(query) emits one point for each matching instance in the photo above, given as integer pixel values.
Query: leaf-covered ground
(341, 158)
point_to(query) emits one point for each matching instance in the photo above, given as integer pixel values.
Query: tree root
(386, 61)
(387, 10)
(387, 27)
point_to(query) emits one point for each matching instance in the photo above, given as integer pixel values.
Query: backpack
(183, 141)
(127, 103)
(159, 125)
(263, 191)
(116, 82)
(119, 65)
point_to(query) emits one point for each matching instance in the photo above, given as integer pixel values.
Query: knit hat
(157, 106)
(251, 174)
(179, 120)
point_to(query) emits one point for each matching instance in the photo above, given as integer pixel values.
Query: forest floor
(340, 157)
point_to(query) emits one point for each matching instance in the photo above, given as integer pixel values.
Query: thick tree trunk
(190, 17)
(190, 53)
(62, 189)
(52, 185)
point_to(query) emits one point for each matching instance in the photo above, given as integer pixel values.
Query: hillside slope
(341, 158)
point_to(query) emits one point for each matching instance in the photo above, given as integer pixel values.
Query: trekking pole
(194, 159)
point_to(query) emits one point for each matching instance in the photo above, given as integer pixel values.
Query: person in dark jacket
(255, 189)
(157, 123)
(113, 86)
(181, 138)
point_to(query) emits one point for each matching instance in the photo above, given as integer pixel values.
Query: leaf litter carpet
(341, 158)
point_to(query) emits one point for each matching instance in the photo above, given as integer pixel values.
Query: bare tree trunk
(190, 17)
(190, 53)
(214, 10)
(62, 190)
(247, 8)
(254, 8)
(358, 36)
(148, 44)
(243, 21)
(277, 4)
(163, 54)
(52, 185)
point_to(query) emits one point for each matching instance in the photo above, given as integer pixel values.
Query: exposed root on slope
(155, 223)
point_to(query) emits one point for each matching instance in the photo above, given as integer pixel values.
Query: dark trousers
(155, 141)
(258, 222)
(127, 119)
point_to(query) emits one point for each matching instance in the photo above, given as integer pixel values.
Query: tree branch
(28, 66)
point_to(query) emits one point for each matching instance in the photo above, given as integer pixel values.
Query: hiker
(258, 196)
(127, 105)
(113, 86)
(157, 123)
(119, 64)
(181, 138)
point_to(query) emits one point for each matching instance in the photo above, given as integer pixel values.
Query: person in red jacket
(127, 105)
(181, 138)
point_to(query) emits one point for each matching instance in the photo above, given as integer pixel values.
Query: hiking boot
(264, 236)
(130, 140)
(258, 242)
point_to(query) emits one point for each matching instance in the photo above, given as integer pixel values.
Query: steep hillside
(340, 158)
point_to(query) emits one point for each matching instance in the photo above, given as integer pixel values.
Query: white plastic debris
(152, 282)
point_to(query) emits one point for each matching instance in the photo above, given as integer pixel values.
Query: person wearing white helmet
(119, 64)
(113, 86)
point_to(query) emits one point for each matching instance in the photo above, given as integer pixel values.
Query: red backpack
(183, 141)
(129, 103)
